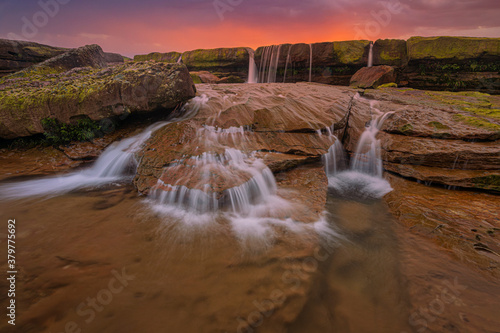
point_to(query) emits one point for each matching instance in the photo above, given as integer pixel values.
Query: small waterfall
(254, 181)
(287, 61)
(335, 159)
(179, 61)
(370, 55)
(253, 75)
(310, 61)
(363, 179)
(117, 162)
(367, 156)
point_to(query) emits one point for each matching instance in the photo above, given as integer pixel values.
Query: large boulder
(85, 56)
(90, 92)
(169, 57)
(372, 77)
(113, 57)
(17, 55)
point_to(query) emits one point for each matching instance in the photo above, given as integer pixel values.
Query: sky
(132, 27)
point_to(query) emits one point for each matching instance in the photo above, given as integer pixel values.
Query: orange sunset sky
(136, 27)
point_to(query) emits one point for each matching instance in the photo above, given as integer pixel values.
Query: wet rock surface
(440, 137)
(277, 121)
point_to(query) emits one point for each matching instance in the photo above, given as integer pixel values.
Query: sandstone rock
(231, 79)
(85, 56)
(170, 57)
(278, 123)
(372, 77)
(205, 77)
(92, 93)
(440, 137)
(16, 55)
(113, 57)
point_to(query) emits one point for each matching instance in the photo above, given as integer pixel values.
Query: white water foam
(364, 178)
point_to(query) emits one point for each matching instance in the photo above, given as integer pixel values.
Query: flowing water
(253, 72)
(193, 261)
(370, 55)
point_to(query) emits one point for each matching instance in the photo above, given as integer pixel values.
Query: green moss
(459, 48)
(493, 113)
(196, 78)
(388, 85)
(406, 129)
(491, 182)
(221, 57)
(170, 57)
(58, 133)
(437, 125)
(350, 52)
(477, 122)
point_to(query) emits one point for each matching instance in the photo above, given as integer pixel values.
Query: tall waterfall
(310, 61)
(179, 61)
(286, 64)
(370, 55)
(253, 74)
(269, 64)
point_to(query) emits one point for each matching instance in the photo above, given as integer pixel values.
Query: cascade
(370, 55)
(269, 64)
(287, 61)
(367, 156)
(114, 164)
(254, 181)
(253, 75)
(363, 178)
(179, 61)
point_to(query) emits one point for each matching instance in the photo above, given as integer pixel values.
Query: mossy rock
(92, 92)
(196, 78)
(204, 59)
(392, 52)
(388, 85)
(169, 57)
(353, 52)
(453, 48)
(491, 182)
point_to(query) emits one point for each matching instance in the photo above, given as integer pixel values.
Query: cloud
(130, 27)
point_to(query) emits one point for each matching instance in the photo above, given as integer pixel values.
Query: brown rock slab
(372, 77)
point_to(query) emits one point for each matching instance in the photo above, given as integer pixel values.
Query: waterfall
(255, 180)
(269, 64)
(335, 159)
(179, 61)
(286, 64)
(253, 75)
(116, 163)
(367, 156)
(370, 55)
(310, 61)
(363, 179)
